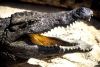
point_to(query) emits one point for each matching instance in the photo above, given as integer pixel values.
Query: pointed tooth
(64, 50)
(55, 28)
(68, 49)
(75, 21)
(84, 50)
(67, 27)
(51, 32)
(87, 49)
(71, 48)
(47, 33)
(77, 48)
(71, 25)
(44, 33)
(62, 28)
(56, 45)
(59, 27)
(74, 48)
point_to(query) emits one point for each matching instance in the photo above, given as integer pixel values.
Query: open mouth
(63, 37)
(57, 35)
(57, 41)
(52, 37)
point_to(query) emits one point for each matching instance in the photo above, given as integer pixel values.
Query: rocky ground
(90, 34)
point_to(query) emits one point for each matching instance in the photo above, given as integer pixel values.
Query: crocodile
(25, 34)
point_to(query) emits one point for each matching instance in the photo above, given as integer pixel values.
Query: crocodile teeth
(74, 49)
(68, 48)
(68, 33)
(56, 31)
(87, 49)
(71, 24)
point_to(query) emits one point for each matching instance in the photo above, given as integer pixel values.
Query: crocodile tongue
(48, 41)
(42, 40)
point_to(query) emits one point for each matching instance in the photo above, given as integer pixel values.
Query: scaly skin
(15, 28)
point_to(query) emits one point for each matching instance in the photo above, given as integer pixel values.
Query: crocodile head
(58, 29)
(48, 32)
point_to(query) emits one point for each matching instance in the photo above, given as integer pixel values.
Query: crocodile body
(14, 32)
